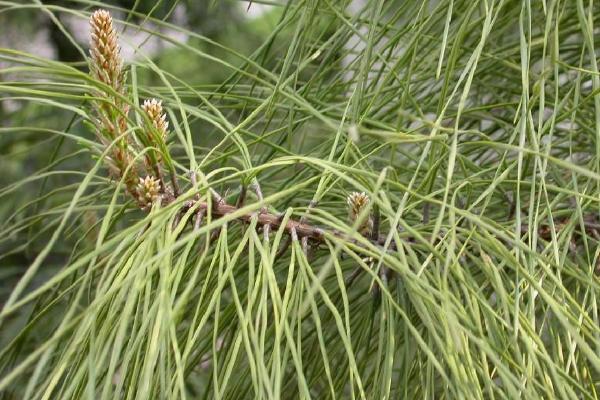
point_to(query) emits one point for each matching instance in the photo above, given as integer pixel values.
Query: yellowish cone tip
(153, 108)
(107, 64)
(357, 202)
(147, 191)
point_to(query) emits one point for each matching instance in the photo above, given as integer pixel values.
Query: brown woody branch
(303, 230)
(307, 231)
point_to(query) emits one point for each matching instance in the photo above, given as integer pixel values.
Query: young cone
(111, 109)
(154, 111)
(357, 202)
(107, 65)
(148, 190)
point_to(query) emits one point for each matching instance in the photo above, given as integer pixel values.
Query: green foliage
(472, 125)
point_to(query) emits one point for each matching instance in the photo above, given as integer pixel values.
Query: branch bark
(303, 230)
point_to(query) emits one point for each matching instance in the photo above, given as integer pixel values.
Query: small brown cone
(357, 202)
